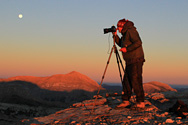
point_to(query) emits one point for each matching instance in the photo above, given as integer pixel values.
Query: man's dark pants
(133, 80)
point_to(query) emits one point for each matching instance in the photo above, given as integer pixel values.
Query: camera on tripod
(112, 29)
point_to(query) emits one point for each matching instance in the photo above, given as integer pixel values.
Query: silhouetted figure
(131, 48)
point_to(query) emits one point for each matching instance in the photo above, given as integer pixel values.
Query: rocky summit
(103, 111)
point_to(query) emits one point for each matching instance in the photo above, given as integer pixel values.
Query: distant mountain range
(150, 87)
(60, 82)
(57, 91)
(63, 88)
(154, 86)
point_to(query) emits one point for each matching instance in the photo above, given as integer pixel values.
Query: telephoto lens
(112, 29)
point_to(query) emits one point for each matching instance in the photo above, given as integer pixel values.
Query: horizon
(172, 85)
(108, 83)
(43, 38)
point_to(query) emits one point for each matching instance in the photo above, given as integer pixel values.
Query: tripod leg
(119, 66)
(120, 61)
(105, 69)
(103, 77)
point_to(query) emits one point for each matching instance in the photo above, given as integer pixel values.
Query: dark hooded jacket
(132, 41)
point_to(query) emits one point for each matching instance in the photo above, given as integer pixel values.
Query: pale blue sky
(59, 36)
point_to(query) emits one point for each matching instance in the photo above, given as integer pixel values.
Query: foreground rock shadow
(21, 99)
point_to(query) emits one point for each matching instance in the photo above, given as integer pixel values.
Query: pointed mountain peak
(74, 72)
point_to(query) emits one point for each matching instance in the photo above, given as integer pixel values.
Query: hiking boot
(124, 104)
(139, 105)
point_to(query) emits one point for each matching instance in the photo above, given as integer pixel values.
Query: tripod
(114, 48)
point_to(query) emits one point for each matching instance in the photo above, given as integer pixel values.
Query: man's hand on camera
(124, 50)
(114, 33)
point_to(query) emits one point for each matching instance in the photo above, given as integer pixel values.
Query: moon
(20, 16)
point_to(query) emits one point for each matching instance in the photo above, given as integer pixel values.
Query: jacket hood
(127, 26)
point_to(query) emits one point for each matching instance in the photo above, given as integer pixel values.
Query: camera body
(112, 29)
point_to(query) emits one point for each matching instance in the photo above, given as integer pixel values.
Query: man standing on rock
(131, 48)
